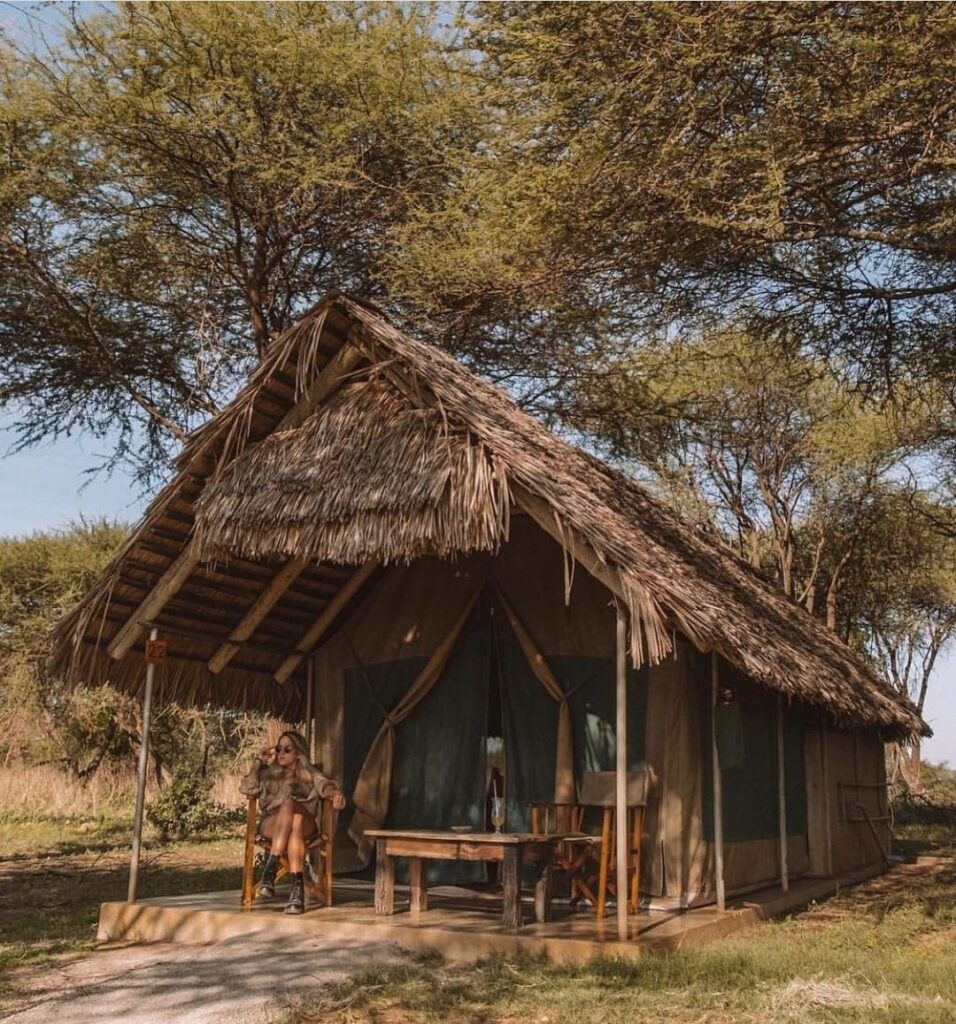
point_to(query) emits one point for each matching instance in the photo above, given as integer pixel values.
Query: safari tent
(372, 537)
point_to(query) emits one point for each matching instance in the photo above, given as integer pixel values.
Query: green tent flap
(746, 733)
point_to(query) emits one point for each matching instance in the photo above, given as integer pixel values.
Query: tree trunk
(912, 764)
(832, 607)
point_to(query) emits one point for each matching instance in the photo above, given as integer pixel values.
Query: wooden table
(511, 849)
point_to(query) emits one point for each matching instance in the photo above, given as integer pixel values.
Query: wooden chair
(575, 856)
(598, 789)
(318, 856)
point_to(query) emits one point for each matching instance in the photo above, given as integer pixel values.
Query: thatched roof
(354, 442)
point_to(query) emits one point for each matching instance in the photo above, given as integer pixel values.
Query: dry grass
(46, 794)
(34, 793)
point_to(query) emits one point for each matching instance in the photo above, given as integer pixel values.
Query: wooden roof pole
(342, 363)
(261, 607)
(540, 511)
(717, 787)
(153, 603)
(622, 836)
(306, 645)
(142, 765)
(782, 795)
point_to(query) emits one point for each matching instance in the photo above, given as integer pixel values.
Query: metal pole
(141, 778)
(309, 708)
(621, 832)
(718, 796)
(782, 797)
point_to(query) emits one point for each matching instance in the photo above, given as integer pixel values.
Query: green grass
(884, 952)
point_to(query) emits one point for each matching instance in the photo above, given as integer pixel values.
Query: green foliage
(185, 808)
(659, 164)
(43, 575)
(182, 181)
(939, 783)
(41, 719)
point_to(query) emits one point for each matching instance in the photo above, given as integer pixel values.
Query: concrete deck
(459, 927)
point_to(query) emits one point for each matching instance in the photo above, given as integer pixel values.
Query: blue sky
(40, 489)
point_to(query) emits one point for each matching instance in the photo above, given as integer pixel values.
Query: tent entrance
(487, 710)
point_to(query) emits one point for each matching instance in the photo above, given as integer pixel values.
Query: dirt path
(235, 982)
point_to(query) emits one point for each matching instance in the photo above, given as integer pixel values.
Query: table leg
(417, 885)
(543, 889)
(511, 881)
(384, 881)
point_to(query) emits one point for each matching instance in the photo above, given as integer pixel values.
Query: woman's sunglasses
(285, 750)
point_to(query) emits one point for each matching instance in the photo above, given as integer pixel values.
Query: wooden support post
(637, 832)
(417, 885)
(384, 881)
(511, 884)
(620, 824)
(306, 645)
(165, 590)
(343, 362)
(718, 796)
(782, 797)
(141, 778)
(263, 604)
(249, 854)
(310, 709)
(607, 832)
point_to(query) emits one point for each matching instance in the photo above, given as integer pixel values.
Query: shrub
(185, 807)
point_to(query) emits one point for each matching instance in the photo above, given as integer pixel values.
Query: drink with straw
(497, 807)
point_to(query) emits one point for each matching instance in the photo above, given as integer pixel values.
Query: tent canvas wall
(439, 769)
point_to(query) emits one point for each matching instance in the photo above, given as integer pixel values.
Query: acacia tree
(657, 164)
(760, 445)
(899, 599)
(758, 441)
(181, 181)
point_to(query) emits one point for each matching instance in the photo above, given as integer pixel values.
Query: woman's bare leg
(277, 827)
(286, 830)
(303, 826)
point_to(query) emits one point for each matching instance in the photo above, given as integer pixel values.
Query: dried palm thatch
(408, 454)
(367, 476)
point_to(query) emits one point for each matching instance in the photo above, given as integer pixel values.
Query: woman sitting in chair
(289, 790)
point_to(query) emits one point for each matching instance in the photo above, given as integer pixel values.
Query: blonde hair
(299, 773)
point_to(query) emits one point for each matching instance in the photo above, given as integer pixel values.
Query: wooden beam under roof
(542, 513)
(152, 604)
(324, 384)
(307, 644)
(259, 610)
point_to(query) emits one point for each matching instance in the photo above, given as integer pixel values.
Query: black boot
(267, 884)
(296, 904)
